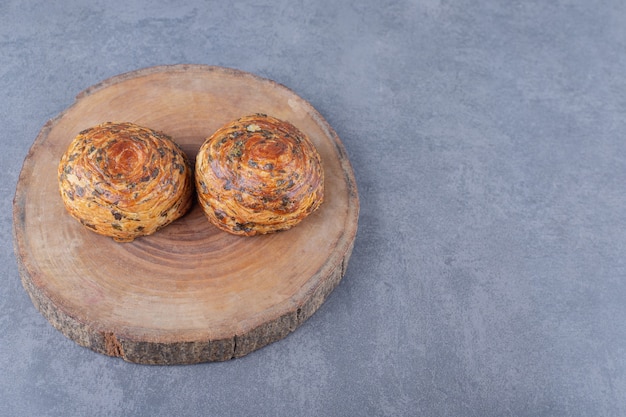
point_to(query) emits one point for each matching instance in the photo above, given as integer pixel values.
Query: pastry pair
(255, 175)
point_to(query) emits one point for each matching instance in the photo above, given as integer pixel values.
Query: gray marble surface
(488, 140)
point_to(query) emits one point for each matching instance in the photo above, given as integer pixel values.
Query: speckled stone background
(488, 140)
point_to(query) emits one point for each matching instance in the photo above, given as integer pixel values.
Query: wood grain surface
(189, 293)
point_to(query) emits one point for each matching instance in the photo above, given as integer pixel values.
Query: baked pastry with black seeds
(124, 181)
(258, 175)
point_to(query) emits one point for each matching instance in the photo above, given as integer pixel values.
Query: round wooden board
(188, 293)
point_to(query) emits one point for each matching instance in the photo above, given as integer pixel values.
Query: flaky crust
(258, 175)
(125, 181)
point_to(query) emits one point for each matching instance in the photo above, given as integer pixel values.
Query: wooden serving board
(189, 293)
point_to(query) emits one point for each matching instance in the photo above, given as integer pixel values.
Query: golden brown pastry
(124, 181)
(258, 175)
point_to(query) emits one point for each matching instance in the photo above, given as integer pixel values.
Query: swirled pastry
(124, 181)
(258, 175)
